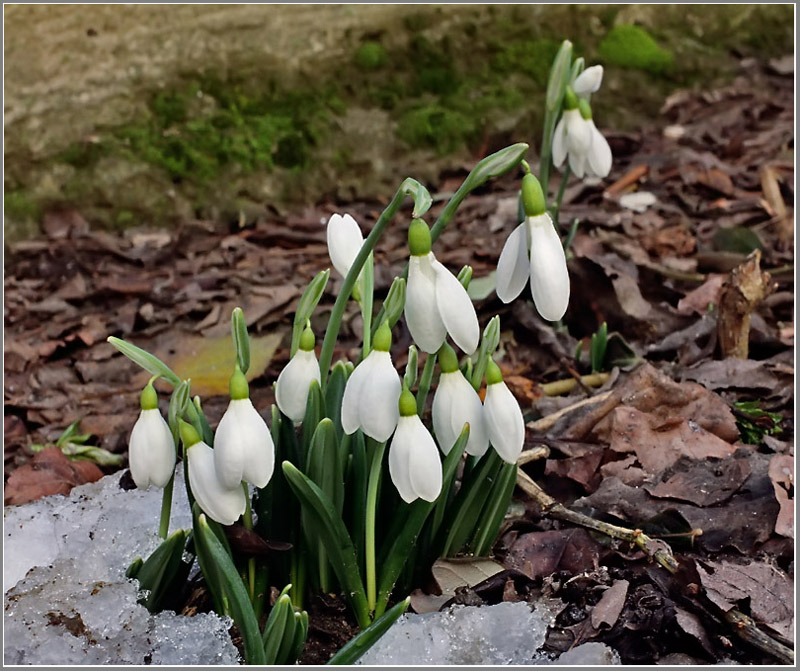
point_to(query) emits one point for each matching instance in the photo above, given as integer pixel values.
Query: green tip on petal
(419, 238)
(307, 339)
(383, 338)
(189, 435)
(149, 398)
(238, 386)
(532, 196)
(408, 404)
(493, 374)
(585, 108)
(448, 361)
(570, 99)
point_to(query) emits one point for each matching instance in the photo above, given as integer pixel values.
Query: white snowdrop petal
(442, 411)
(577, 163)
(579, 135)
(425, 469)
(513, 268)
(344, 242)
(399, 461)
(470, 409)
(259, 450)
(230, 451)
(559, 144)
(549, 276)
(421, 311)
(379, 398)
(588, 81)
(456, 309)
(291, 390)
(351, 400)
(599, 157)
(220, 503)
(504, 422)
(151, 450)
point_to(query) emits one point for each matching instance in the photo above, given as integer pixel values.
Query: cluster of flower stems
(338, 514)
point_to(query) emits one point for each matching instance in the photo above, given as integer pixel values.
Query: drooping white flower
(344, 242)
(291, 389)
(243, 447)
(576, 137)
(414, 463)
(546, 267)
(588, 81)
(370, 397)
(504, 422)
(151, 450)
(436, 302)
(455, 403)
(222, 504)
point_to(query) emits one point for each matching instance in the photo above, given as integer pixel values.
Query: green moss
(531, 57)
(18, 205)
(629, 46)
(371, 56)
(124, 218)
(438, 127)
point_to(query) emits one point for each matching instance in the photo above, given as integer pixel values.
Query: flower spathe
(222, 504)
(344, 242)
(414, 464)
(151, 451)
(371, 395)
(243, 447)
(291, 389)
(546, 267)
(504, 422)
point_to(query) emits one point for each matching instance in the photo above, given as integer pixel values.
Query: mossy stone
(630, 46)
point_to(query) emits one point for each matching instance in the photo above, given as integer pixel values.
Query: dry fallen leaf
(49, 472)
(781, 472)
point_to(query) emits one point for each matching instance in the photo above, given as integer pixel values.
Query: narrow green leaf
(333, 534)
(365, 639)
(315, 411)
(559, 73)
(356, 493)
(494, 512)
(334, 392)
(300, 636)
(465, 276)
(235, 591)
(158, 570)
(422, 198)
(177, 406)
(287, 640)
(469, 502)
(150, 363)
(577, 68)
(405, 540)
(274, 628)
(133, 569)
(307, 304)
(241, 341)
(489, 343)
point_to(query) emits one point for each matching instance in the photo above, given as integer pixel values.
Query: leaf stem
(425, 381)
(251, 563)
(166, 507)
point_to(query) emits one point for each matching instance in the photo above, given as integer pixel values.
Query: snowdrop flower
(413, 458)
(344, 242)
(436, 302)
(455, 404)
(547, 266)
(222, 504)
(504, 421)
(588, 81)
(577, 137)
(291, 389)
(243, 448)
(372, 392)
(151, 451)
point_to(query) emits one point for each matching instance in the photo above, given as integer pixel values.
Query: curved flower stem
(560, 196)
(166, 507)
(251, 563)
(335, 322)
(425, 381)
(366, 305)
(371, 504)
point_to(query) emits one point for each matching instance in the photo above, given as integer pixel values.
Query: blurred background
(150, 115)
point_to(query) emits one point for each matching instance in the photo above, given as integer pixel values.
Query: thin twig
(747, 630)
(567, 385)
(538, 452)
(654, 548)
(543, 424)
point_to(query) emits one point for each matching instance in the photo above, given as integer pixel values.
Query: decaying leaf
(540, 553)
(704, 482)
(781, 472)
(49, 472)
